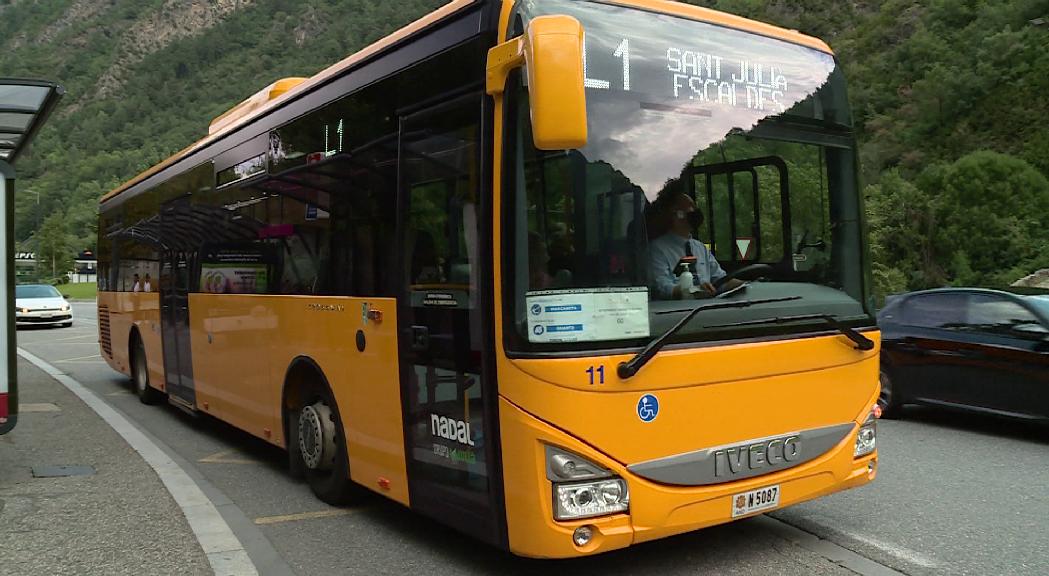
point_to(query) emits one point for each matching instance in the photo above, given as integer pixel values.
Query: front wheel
(889, 398)
(140, 375)
(322, 451)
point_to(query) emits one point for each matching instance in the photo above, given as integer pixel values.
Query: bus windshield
(710, 150)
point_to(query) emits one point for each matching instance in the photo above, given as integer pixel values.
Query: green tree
(54, 255)
(901, 218)
(994, 210)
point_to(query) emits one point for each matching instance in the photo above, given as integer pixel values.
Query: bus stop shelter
(24, 106)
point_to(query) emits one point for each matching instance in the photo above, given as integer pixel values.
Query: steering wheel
(748, 272)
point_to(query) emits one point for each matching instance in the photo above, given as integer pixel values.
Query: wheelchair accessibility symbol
(647, 408)
(536, 309)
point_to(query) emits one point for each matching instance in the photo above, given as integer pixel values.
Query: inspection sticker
(587, 315)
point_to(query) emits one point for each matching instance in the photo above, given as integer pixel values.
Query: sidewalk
(118, 520)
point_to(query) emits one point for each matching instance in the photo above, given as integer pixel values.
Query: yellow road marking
(302, 516)
(224, 457)
(41, 407)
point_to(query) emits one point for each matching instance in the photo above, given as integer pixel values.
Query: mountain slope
(932, 81)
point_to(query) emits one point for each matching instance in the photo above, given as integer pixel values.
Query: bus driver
(678, 212)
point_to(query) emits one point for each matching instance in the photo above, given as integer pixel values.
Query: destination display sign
(700, 66)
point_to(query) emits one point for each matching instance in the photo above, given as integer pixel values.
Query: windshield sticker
(744, 245)
(587, 315)
(440, 299)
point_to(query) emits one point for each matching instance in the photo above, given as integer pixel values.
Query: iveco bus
(432, 271)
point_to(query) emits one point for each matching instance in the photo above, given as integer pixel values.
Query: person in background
(147, 286)
(538, 263)
(136, 284)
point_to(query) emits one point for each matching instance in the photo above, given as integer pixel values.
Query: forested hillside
(951, 100)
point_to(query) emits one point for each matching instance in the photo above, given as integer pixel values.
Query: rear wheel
(140, 374)
(321, 448)
(888, 399)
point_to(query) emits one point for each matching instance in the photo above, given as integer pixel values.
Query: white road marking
(68, 338)
(905, 554)
(79, 358)
(302, 516)
(224, 551)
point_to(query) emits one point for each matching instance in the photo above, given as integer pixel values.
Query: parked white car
(41, 305)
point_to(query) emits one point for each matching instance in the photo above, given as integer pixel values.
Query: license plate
(45, 315)
(758, 500)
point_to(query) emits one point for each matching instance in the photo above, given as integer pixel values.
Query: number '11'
(600, 370)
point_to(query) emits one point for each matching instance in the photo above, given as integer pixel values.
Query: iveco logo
(757, 455)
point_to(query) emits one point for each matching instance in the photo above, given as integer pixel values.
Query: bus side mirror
(552, 53)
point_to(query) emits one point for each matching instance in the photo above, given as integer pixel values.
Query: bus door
(451, 450)
(176, 264)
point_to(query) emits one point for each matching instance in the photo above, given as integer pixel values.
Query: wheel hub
(317, 436)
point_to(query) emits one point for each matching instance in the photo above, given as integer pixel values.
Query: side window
(935, 311)
(441, 248)
(135, 241)
(990, 313)
(742, 202)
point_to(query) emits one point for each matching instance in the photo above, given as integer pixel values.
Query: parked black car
(974, 349)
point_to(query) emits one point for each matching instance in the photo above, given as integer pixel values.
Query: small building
(25, 267)
(85, 268)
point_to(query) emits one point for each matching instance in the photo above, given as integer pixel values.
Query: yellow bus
(564, 275)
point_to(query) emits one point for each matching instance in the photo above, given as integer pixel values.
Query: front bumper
(656, 510)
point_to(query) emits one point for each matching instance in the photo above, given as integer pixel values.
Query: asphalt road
(954, 495)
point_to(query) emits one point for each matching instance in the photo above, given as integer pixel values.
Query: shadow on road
(697, 552)
(979, 423)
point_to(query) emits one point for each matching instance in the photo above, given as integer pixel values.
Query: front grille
(57, 318)
(103, 331)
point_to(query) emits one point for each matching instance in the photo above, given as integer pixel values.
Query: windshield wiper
(630, 367)
(862, 342)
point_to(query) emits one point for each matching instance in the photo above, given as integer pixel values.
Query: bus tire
(321, 447)
(889, 397)
(140, 373)
(296, 467)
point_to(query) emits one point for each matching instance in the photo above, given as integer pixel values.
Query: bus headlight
(583, 489)
(588, 499)
(866, 438)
